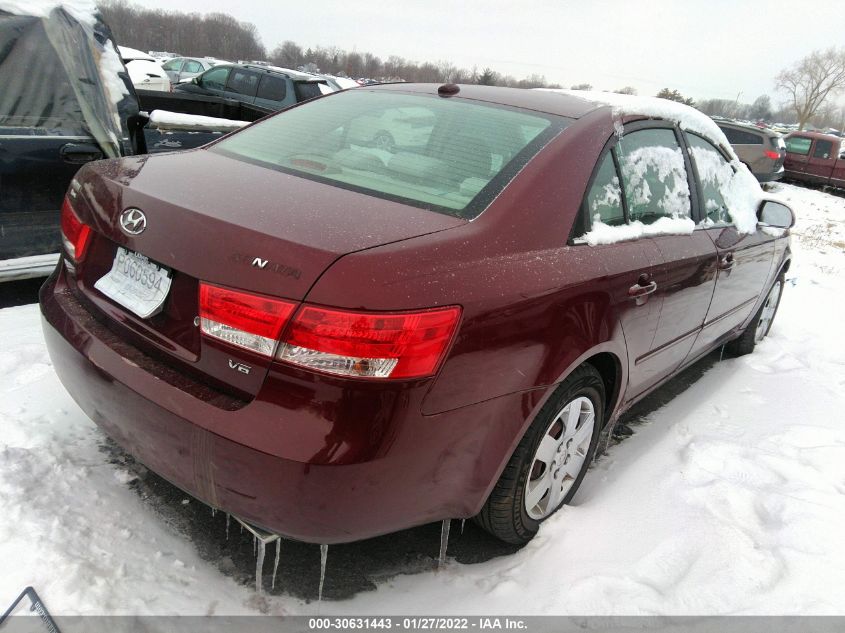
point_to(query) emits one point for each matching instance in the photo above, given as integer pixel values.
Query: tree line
(811, 84)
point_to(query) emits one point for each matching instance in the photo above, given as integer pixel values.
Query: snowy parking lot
(728, 499)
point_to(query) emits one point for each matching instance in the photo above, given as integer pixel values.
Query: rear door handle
(80, 153)
(641, 290)
(727, 262)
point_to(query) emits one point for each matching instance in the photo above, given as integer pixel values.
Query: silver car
(184, 68)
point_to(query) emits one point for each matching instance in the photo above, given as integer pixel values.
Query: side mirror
(195, 80)
(776, 215)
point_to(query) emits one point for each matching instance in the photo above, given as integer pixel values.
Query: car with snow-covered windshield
(333, 341)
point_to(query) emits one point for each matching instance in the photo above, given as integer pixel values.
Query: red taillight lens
(367, 344)
(75, 234)
(247, 320)
(771, 154)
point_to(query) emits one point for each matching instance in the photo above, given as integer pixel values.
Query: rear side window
(654, 176)
(741, 137)
(449, 155)
(172, 65)
(243, 82)
(798, 145)
(714, 173)
(272, 88)
(604, 200)
(306, 90)
(823, 149)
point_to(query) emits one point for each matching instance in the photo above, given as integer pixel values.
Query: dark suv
(265, 86)
(761, 150)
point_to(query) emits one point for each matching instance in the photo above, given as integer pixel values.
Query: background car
(265, 86)
(144, 71)
(763, 151)
(184, 68)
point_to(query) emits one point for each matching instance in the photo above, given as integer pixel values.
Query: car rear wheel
(550, 461)
(760, 325)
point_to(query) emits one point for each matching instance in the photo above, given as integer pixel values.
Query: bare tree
(584, 86)
(627, 90)
(810, 81)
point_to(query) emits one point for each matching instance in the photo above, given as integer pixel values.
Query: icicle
(213, 512)
(228, 516)
(324, 554)
(276, 564)
(254, 545)
(462, 525)
(444, 541)
(259, 566)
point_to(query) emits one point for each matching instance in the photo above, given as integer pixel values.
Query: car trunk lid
(211, 219)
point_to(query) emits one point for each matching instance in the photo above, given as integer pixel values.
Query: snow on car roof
(127, 54)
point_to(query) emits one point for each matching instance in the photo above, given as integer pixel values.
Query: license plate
(136, 283)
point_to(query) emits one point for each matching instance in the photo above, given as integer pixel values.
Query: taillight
(369, 344)
(75, 234)
(771, 154)
(246, 320)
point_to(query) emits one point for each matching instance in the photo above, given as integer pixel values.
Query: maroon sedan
(333, 340)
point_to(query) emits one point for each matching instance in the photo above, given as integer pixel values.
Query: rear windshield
(444, 154)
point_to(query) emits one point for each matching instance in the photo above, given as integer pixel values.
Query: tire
(761, 324)
(534, 465)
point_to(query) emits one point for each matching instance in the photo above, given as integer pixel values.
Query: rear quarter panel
(532, 305)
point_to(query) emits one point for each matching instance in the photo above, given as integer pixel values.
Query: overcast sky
(703, 48)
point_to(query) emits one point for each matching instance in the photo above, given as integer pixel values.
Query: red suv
(333, 340)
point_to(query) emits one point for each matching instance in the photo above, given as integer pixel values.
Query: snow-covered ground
(729, 499)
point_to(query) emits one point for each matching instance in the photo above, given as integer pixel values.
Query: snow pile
(742, 191)
(110, 65)
(606, 234)
(164, 119)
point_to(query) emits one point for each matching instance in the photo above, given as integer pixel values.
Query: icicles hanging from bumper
(260, 540)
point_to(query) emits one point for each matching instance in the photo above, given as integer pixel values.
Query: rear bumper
(306, 460)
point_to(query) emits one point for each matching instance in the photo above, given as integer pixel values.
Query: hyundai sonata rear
(194, 315)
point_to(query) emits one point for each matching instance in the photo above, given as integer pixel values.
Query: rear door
(821, 159)
(743, 262)
(630, 268)
(273, 92)
(656, 186)
(242, 85)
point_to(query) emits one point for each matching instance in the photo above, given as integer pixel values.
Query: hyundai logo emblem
(133, 221)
